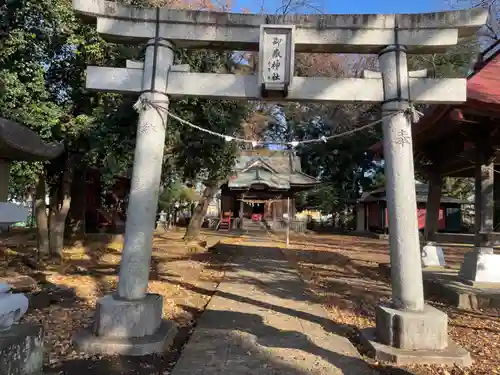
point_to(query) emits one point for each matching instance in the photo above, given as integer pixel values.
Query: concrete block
(433, 256)
(125, 319)
(12, 307)
(409, 330)
(453, 354)
(480, 268)
(452, 291)
(157, 343)
(21, 350)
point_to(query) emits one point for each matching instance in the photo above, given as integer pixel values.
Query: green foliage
(460, 188)
(44, 51)
(23, 176)
(325, 198)
(456, 62)
(377, 179)
(176, 193)
(342, 163)
(29, 34)
(199, 156)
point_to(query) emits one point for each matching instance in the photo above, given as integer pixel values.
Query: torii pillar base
(132, 328)
(413, 337)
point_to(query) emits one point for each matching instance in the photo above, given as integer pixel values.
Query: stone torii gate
(130, 321)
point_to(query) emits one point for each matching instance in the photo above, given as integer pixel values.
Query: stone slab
(412, 330)
(447, 287)
(124, 319)
(156, 343)
(263, 321)
(460, 239)
(454, 354)
(21, 350)
(444, 285)
(480, 268)
(432, 256)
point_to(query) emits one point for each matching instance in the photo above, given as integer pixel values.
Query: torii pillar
(130, 321)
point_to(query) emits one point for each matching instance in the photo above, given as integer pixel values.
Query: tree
(342, 164)
(195, 156)
(45, 51)
(460, 188)
(30, 34)
(455, 63)
(198, 156)
(176, 197)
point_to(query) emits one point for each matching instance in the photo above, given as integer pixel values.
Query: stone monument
(21, 345)
(406, 329)
(163, 223)
(432, 255)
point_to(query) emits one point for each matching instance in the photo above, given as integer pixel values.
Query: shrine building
(262, 187)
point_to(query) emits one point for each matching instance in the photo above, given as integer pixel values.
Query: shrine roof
(17, 142)
(421, 191)
(279, 161)
(484, 86)
(278, 170)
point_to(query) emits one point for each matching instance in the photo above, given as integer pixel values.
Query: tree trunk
(75, 222)
(60, 209)
(194, 227)
(42, 221)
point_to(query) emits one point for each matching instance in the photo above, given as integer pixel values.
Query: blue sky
(352, 6)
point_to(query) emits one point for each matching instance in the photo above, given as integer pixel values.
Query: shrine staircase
(224, 225)
(254, 226)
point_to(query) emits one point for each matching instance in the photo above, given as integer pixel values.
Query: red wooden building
(108, 212)
(373, 207)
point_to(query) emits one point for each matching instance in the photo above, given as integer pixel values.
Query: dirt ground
(343, 271)
(64, 295)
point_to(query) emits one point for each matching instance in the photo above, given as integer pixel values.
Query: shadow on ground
(223, 258)
(260, 261)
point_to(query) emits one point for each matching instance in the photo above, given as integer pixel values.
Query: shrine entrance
(277, 38)
(258, 209)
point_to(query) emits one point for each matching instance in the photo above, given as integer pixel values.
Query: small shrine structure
(17, 142)
(372, 216)
(261, 185)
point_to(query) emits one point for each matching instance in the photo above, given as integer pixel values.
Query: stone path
(263, 322)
